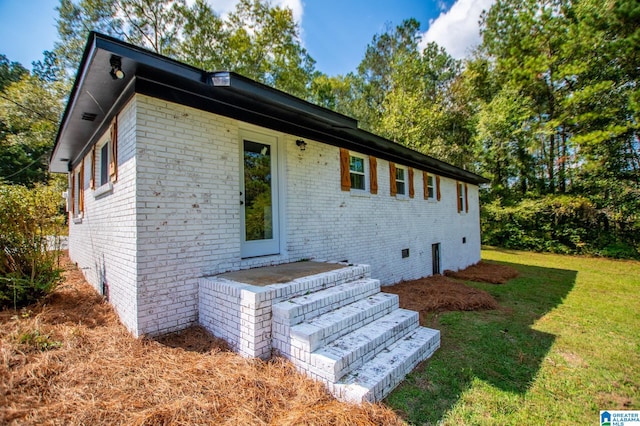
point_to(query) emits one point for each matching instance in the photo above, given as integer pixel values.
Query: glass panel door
(259, 196)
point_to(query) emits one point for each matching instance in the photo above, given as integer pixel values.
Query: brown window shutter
(345, 178)
(392, 179)
(73, 193)
(438, 188)
(373, 174)
(425, 185)
(113, 161)
(466, 198)
(92, 179)
(412, 192)
(458, 196)
(81, 188)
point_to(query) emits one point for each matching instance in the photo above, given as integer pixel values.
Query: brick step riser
(296, 310)
(367, 348)
(309, 336)
(403, 361)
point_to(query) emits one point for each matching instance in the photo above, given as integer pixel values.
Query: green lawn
(564, 345)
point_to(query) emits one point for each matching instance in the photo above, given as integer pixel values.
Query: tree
(10, 72)
(29, 114)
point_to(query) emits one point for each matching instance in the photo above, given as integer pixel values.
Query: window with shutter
(401, 181)
(357, 172)
(428, 186)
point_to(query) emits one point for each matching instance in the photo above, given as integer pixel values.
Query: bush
(29, 243)
(559, 224)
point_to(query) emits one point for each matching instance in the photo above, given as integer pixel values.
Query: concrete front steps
(352, 337)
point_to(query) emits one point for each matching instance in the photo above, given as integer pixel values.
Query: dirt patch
(485, 272)
(68, 360)
(439, 294)
(194, 339)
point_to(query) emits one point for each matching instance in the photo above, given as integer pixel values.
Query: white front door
(259, 194)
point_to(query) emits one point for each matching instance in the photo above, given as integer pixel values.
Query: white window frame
(463, 207)
(405, 181)
(75, 208)
(431, 185)
(101, 187)
(365, 172)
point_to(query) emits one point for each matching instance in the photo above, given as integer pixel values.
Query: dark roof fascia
(259, 91)
(225, 101)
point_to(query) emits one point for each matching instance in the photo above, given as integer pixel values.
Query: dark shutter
(425, 185)
(411, 188)
(81, 188)
(92, 179)
(113, 161)
(345, 178)
(392, 179)
(466, 198)
(438, 188)
(373, 174)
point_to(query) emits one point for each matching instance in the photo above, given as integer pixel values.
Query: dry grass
(485, 272)
(69, 361)
(439, 294)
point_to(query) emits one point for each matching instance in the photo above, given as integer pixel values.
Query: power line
(28, 109)
(25, 167)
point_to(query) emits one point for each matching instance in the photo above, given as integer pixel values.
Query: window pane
(257, 188)
(430, 186)
(356, 164)
(400, 188)
(399, 174)
(357, 181)
(104, 164)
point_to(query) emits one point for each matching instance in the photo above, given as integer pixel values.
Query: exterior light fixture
(221, 79)
(116, 67)
(301, 144)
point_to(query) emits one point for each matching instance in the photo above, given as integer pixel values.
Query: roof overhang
(96, 97)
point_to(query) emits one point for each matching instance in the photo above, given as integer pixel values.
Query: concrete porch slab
(280, 273)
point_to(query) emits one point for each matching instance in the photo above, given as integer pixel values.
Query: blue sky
(335, 32)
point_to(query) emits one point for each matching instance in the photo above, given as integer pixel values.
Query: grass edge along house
(178, 175)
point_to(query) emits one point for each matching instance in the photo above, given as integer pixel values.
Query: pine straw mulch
(439, 293)
(69, 361)
(485, 272)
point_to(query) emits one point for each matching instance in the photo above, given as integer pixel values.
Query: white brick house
(178, 174)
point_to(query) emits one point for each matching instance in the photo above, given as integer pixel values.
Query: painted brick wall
(175, 211)
(103, 244)
(188, 208)
(325, 222)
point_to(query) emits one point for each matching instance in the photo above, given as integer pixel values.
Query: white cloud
(457, 30)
